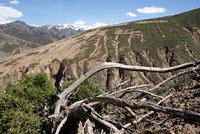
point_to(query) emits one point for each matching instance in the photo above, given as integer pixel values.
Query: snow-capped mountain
(65, 26)
(61, 31)
(22, 30)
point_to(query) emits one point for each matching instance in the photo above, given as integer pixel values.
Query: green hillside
(174, 34)
(161, 42)
(191, 18)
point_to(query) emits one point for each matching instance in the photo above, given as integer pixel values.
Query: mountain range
(160, 42)
(17, 37)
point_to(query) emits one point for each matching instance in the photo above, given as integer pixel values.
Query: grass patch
(153, 37)
(102, 47)
(183, 56)
(89, 50)
(124, 45)
(111, 32)
(191, 18)
(111, 49)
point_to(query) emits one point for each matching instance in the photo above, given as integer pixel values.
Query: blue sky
(90, 13)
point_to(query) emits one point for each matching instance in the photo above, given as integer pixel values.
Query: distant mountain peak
(19, 22)
(31, 33)
(64, 26)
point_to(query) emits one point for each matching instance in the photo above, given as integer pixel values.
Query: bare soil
(185, 96)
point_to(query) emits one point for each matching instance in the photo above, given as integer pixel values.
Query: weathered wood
(92, 114)
(151, 112)
(61, 125)
(172, 77)
(185, 114)
(88, 127)
(107, 65)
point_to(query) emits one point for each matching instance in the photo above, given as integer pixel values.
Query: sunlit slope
(162, 42)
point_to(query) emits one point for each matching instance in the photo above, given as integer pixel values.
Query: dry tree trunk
(107, 65)
(185, 114)
(83, 109)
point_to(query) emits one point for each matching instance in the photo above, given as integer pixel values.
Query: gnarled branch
(107, 65)
(185, 114)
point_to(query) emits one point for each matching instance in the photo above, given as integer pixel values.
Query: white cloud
(97, 24)
(14, 2)
(130, 14)
(79, 22)
(153, 9)
(4, 20)
(82, 24)
(7, 13)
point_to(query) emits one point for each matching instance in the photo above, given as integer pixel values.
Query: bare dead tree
(107, 65)
(83, 108)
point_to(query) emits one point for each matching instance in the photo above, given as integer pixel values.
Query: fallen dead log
(83, 110)
(107, 65)
(112, 97)
(151, 112)
(184, 114)
(92, 114)
(175, 76)
(61, 125)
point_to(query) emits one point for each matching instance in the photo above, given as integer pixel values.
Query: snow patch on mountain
(77, 25)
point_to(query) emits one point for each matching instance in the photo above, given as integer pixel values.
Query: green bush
(20, 122)
(36, 89)
(86, 90)
(8, 102)
(22, 105)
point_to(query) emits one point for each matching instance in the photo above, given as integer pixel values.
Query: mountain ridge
(19, 27)
(37, 36)
(159, 42)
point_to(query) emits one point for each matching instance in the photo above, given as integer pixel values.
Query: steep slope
(188, 19)
(10, 45)
(158, 42)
